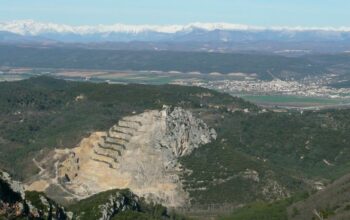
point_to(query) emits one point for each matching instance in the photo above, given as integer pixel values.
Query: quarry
(140, 153)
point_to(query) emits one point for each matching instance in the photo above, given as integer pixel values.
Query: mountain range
(29, 30)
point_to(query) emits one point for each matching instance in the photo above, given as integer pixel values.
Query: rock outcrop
(10, 185)
(11, 197)
(118, 202)
(140, 152)
(15, 203)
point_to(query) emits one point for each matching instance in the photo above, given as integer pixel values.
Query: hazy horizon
(321, 13)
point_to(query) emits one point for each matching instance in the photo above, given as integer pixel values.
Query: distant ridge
(31, 27)
(193, 32)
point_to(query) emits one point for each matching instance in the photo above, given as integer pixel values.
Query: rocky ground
(17, 203)
(140, 152)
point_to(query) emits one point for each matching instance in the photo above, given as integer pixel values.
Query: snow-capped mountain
(194, 32)
(30, 27)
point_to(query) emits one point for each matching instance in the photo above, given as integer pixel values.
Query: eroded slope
(140, 152)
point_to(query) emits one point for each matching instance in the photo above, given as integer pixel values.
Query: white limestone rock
(140, 152)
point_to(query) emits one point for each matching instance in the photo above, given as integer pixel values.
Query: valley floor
(312, 93)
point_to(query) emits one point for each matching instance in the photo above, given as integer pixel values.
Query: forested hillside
(259, 155)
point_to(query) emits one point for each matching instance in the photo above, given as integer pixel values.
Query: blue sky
(252, 12)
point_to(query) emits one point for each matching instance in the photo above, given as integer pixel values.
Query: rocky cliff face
(16, 203)
(140, 152)
(184, 132)
(118, 203)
